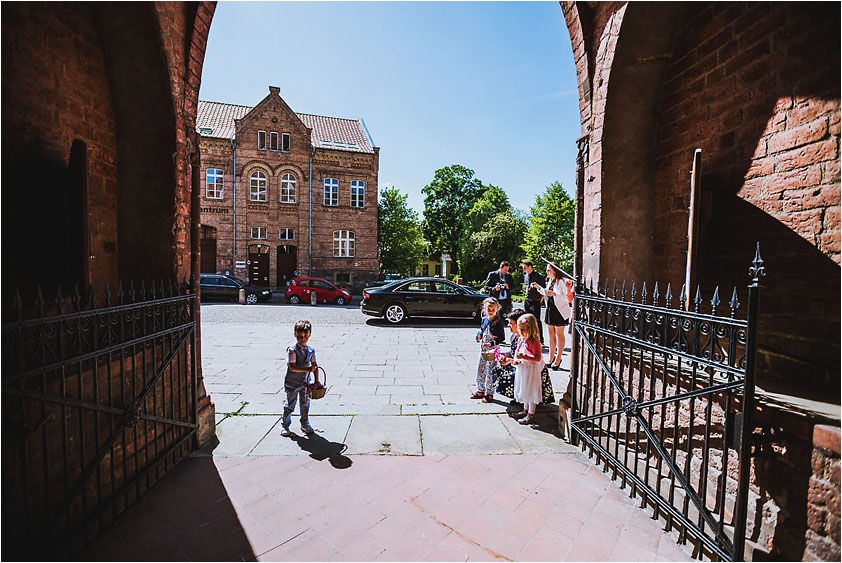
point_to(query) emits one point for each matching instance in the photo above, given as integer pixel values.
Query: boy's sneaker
(521, 414)
(307, 429)
(285, 431)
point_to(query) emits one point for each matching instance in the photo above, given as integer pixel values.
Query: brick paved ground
(405, 467)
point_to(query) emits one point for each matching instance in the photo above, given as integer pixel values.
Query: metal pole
(692, 227)
(234, 196)
(741, 510)
(574, 361)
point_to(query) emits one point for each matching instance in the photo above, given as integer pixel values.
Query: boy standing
(301, 363)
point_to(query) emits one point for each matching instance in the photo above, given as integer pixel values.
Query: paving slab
(329, 438)
(385, 435)
(466, 434)
(238, 435)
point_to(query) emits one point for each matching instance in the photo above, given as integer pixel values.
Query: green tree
(499, 239)
(447, 200)
(551, 225)
(399, 241)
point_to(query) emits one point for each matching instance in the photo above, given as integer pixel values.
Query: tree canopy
(551, 227)
(447, 200)
(399, 241)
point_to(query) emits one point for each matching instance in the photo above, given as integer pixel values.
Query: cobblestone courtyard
(405, 467)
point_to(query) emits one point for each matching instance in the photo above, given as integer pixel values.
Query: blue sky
(488, 85)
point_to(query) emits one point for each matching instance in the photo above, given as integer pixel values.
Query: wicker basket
(488, 354)
(318, 390)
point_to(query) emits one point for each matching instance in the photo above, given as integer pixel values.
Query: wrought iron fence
(98, 403)
(662, 396)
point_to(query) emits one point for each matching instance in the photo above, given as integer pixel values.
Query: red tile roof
(216, 119)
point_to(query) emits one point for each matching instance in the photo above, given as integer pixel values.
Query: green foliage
(551, 228)
(399, 241)
(447, 200)
(499, 239)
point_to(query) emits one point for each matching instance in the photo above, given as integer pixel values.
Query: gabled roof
(215, 119)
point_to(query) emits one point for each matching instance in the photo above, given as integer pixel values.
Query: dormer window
(273, 141)
(285, 142)
(261, 140)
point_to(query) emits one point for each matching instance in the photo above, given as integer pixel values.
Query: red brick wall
(55, 90)
(823, 509)
(756, 87)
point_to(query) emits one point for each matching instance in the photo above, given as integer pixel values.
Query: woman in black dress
(558, 313)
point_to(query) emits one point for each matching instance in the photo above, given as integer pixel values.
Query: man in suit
(532, 301)
(499, 284)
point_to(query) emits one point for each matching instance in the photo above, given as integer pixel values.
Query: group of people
(521, 373)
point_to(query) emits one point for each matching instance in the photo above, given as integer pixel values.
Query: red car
(300, 290)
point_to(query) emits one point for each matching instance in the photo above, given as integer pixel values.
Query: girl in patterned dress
(529, 367)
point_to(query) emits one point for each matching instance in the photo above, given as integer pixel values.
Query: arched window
(343, 244)
(288, 183)
(257, 184)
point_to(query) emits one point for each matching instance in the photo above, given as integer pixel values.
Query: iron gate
(98, 403)
(662, 397)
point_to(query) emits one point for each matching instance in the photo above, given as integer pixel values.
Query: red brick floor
(547, 507)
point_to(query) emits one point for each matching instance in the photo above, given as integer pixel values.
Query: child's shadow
(321, 449)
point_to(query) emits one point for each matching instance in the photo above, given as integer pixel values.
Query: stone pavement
(405, 466)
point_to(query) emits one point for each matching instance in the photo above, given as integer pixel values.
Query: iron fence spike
(132, 290)
(120, 293)
(698, 300)
(682, 296)
(107, 295)
(77, 298)
(643, 293)
(715, 301)
(655, 295)
(735, 303)
(605, 290)
(633, 291)
(757, 270)
(92, 297)
(668, 295)
(161, 287)
(142, 290)
(59, 300)
(624, 290)
(17, 305)
(39, 301)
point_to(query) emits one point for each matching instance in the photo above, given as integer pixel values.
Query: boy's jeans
(303, 400)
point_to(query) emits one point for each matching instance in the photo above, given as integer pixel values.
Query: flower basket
(318, 390)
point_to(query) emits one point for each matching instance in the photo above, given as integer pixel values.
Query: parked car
(300, 290)
(422, 297)
(387, 279)
(218, 287)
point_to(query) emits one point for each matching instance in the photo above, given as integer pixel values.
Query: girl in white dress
(529, 365)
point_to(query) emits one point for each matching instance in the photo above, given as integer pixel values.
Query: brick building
(285, 192)
(756, 87)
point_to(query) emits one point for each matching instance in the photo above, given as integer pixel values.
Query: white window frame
(286, 234)
(259, 147)
(214, 189)
(289, 183)
(273, 141)
(258, 186)
(285, 142)
(344, 244)
(331, 194)
(256, 233)
(357, 193)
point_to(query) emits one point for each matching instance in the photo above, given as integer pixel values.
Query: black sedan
(227, 288)
(422, 297)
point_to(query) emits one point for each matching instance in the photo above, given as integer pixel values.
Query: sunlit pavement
(405, 467)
